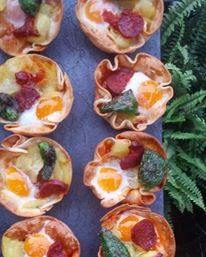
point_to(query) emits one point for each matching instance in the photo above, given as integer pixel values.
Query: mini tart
(165, 246)
(146, 69)
(20, 185)
(37, 236)
(109, 153)
(108, 38)
(46, 24)
(42, 91)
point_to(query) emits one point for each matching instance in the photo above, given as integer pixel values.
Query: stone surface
(81, 131)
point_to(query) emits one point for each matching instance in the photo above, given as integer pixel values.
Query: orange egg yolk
(149, 94)
(94, 9)
(36, 245)
(109, 180)
(49, 106)
(125, 227)
(15, 182)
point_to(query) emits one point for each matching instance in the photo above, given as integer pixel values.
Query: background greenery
(184, 51)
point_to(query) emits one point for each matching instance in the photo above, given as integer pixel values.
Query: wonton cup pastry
(29, 25)
(35, 95)
(128, 168)
(42, 236)
(132, 94)
(133, 231)
(119, 26)
(35, 174)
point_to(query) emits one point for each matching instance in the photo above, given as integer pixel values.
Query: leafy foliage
(184, 51)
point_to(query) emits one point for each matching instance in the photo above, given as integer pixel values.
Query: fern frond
(199, 123)
(175, 104)
(187, 186)
(169, 51)
(194, 100)
(181, 80)
(175, 15)
(186, 136)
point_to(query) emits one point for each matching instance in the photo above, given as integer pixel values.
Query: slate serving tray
(81, 131)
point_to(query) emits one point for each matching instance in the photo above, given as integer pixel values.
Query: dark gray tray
(81, 131)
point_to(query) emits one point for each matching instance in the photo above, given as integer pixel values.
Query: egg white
(29, 117)
(124, 186)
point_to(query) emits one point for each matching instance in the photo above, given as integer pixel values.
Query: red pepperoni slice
(52, 187)
(143, 234)
(26, 97)
(22, 77)
(111, 18)
(130, 24)
(118, 80)
(56, 250)
(134, 158)
(27, 29)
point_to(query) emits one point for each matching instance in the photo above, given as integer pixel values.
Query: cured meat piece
(111, 18)
(26, 97)
(134, 158)
(143, 234)
(56, 250)
(27, 29)
(130, 24)
(118, 80)
(51, 187)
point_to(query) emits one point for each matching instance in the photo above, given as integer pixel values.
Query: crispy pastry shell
(18, 46)
(55, 228)
(64, 86)
(150, 66)
(134, 196)
(101, 40)
(160, 223)
(15, 145)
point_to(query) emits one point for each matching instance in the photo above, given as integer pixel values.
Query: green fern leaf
(175, 15)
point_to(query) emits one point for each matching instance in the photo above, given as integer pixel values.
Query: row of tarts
(35, 95)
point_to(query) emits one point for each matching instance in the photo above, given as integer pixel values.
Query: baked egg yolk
(36, 245)
(16, 183)
(125, 227)
(49, 106)
(149, 94)
(109, 179)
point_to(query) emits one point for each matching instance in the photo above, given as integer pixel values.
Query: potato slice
(146, 8)
(61, 168)
(118, 39)
(13, 248)
(120, 148)
(42, 24)
(2, 5)
(34, 204)
(31, 162)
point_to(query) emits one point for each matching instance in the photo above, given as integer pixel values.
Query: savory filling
(33, 179)
(128, 165)
(26, 20)
(39, 244)
(131, 236)
(28, 103)
(133, 92)
(124, 20)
